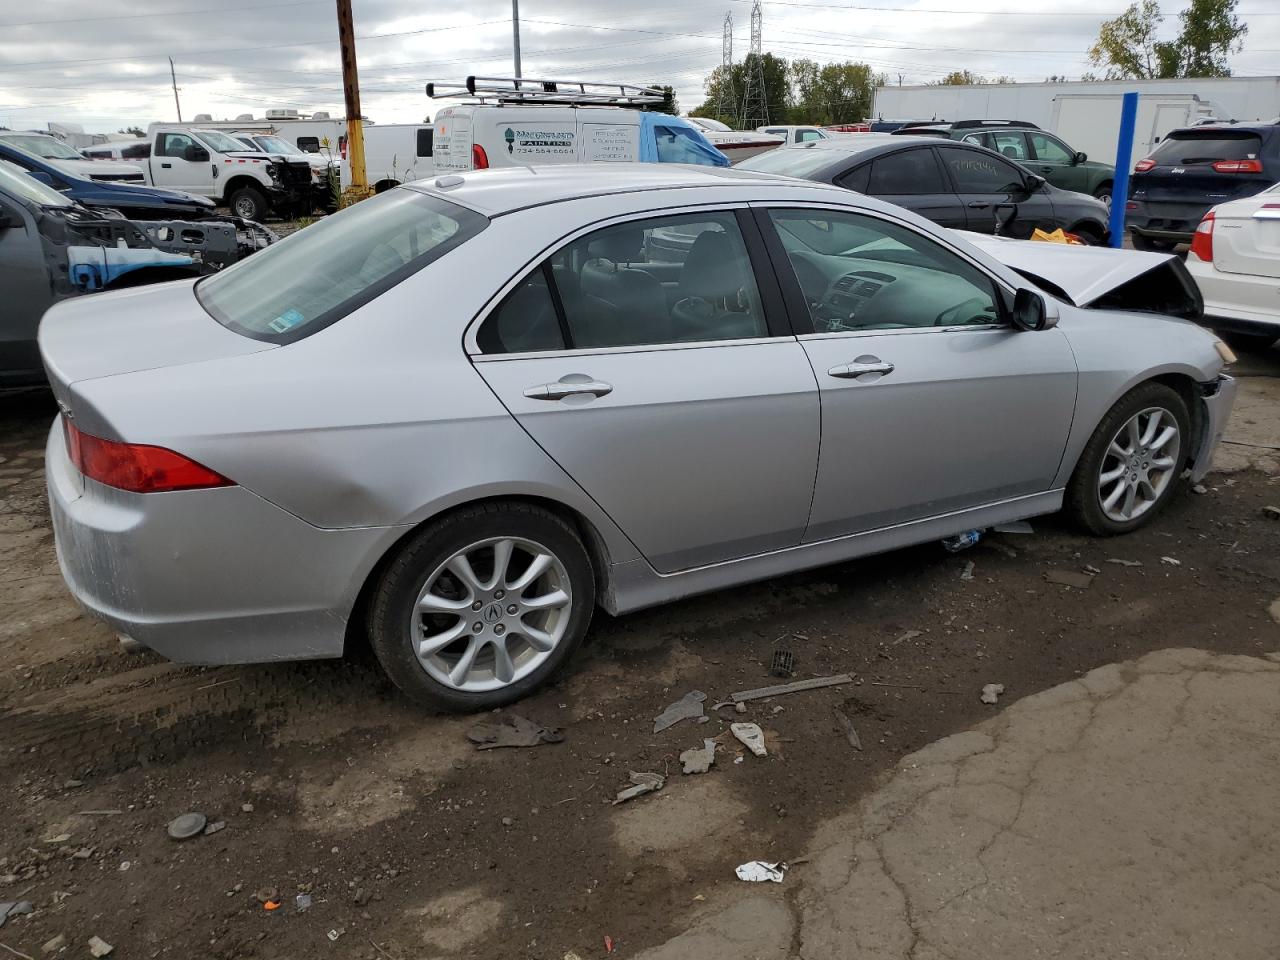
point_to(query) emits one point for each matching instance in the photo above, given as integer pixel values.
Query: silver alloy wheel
(491, 614)
(1140, 462)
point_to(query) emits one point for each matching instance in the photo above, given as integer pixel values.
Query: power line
(203, 11)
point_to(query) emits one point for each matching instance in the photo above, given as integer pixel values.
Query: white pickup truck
(209, 163)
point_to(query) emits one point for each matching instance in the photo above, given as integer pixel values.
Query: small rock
(124, 865)
(84, 853)
(1091, 569)
(214, 827)
(1271, 513)
(1171, 561)
(246, 808)
(1200, 489)
(54, 945)
(72, 784)
(508, 822)
(266, 894)
(1124, 563)
(991, 692)
(967, 572)
(99, 947)
(739, 707)
(335, 933)
(186, 826)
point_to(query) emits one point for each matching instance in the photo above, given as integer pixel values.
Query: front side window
(678, 279)
(1049, 149)
(1011, 145)
(319, 275)
(859, 273)
(804, 136)
(174, 144)
(906, 172)
(975, 172)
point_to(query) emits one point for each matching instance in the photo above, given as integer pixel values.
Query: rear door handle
(978, 205)
(850, 371)
(563, 388)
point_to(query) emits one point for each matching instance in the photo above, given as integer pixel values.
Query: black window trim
(798, 310)
(772, 301)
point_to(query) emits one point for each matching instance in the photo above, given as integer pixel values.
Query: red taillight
(479, 159)
(136, 467)
(1144, 165)
(1131, 205)
(1238, 166)
(1202, 239)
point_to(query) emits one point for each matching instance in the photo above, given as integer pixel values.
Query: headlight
(1226, 353)
(273, 171)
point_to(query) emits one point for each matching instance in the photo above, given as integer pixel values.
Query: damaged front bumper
(1217, 398)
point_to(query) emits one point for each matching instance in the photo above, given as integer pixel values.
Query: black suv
(1192, 170)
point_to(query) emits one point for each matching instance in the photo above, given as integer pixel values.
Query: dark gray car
(955, 185)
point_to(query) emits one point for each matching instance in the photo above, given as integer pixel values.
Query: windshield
(320, 274)
(278, 145)
(792, 161)
(215, 140)
(41, 146)
(1209, 146)
(14, 180)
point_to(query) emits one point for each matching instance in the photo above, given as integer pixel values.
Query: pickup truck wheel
(248, 203)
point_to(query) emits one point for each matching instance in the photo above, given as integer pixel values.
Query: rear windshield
(1191, 146)
(318, 275)
(792, 161)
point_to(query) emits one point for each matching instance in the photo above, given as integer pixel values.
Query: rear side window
(425, 142)
(1208, 147)
(908, 172)
(309, 144)
(320, 274)
(137, 152)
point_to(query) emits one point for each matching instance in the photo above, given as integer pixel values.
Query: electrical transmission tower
(727, 99)
(755, 101)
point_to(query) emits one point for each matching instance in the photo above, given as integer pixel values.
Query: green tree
(957, 78)
(1127, 47)
(1210, 32)
(831, 93)
(134, 131)
(721, 105)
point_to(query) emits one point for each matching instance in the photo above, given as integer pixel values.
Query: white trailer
(1087, 114)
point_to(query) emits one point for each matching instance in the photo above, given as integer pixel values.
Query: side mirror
(195, 154)
(1034, 183)
(1081, 156)
(1032, 312)
(40, 175)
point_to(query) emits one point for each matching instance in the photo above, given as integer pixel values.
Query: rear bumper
(1156, 233)
(1237, 301)
(1218, 399)
(206, 576)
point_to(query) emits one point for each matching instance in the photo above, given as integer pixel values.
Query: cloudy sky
(104, 63)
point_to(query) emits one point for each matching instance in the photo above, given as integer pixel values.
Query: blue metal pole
(1124, 162)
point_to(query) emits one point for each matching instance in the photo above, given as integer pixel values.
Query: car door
(1056, 162)
(988, 184)
(931, 402)
(24, 278)
(913, 179)
(170, 167)
(692, 420)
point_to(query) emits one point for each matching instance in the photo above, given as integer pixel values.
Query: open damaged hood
(1084, 274)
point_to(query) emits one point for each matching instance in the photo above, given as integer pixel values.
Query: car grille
(296, 173)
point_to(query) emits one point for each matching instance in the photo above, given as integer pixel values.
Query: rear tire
(248, 203)
(1248, 342)
(480, 638)
(1121, 449)
(1088, 233)
(1103, 193)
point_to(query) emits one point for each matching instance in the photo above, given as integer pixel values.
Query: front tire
(1130, 467)
(248, 203)
(481, 608)
(1103, 193)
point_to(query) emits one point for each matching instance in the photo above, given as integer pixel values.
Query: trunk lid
(108, 334)
(1246, 237)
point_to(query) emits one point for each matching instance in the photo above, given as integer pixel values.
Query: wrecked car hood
(1083, 273)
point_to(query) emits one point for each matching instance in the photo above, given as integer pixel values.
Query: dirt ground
(411, 844)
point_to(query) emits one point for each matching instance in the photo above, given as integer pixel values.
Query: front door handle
(855, 369)
(568, 388)
(978, 205)
(167, 166)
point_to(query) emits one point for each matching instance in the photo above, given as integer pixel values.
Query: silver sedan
(464, 413)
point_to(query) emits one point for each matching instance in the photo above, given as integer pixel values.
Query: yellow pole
(351, 89)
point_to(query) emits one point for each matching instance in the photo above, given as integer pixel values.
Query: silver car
(464, 413)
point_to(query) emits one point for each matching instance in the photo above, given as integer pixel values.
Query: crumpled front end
(1217, 398)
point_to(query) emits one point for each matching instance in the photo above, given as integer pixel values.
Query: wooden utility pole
(174, 78)
(351, 89)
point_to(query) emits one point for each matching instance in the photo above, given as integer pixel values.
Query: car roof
(1258, 128)
(495, 192)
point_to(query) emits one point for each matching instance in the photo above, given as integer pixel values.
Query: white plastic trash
(757, 871)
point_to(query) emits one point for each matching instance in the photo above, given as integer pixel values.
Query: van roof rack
(562, 92)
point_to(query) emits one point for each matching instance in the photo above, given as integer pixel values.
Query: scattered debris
(688, 707)
(246, 808)
(512, 730)
(214, 827)
(967, 572)
(124, 865)
(186, 826)
(571, 956)
(815, 683)
(961, 541)
(1171, 561)
(608, 944)
(699, 759)
(99, 813)
(991, 692)
(17, 953)
(266, 895)
(1200, 489)
(99, 947)
(643, 783)
(1069, 578)
(1246, 443)
(60, 838)
(1091, 569)
(846, 725)
(758, 871)
(750, 736)
(303, 902)
(739, 707)
(1124, 563)
(1271, 513)
(14, 908)
(1016, 526)
(784, 663)
(271, 905)
(909, 635)
(55, 944)
(335, 933)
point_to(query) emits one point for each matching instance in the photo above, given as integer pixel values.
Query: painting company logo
(510, 137)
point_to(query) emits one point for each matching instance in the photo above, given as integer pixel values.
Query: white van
(539, 122)
(396, 153)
